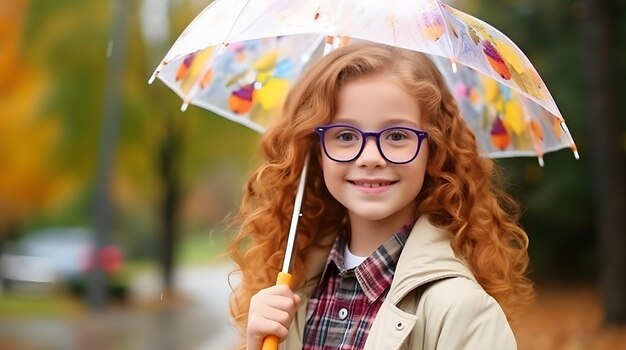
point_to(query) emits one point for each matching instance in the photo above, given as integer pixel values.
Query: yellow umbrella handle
(271, 341)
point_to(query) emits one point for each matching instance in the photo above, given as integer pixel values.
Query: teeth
(372, 185)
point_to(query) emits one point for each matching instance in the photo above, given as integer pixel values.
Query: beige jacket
(433, 302)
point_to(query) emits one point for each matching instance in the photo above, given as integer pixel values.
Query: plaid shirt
(342, 310)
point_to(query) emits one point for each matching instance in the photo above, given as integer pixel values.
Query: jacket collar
(427, 256)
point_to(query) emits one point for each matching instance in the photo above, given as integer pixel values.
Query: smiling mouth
(372, 184)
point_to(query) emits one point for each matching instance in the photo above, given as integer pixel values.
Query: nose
(370, 157)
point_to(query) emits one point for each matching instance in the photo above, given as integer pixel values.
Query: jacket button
(343, 313)
(399, 326)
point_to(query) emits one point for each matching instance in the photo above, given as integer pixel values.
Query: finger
(263, 328)
(283, 317)
(278, 301)
(275, 328)
(281, 310)
(276, 323)
(280, 289)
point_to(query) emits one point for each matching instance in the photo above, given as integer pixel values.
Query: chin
(371, 215)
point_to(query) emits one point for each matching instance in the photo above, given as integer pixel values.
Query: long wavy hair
(462, 190)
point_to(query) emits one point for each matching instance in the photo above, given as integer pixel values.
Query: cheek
(334, 177)
(330, 170)
(418, 170)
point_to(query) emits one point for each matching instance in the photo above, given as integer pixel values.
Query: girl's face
(370, 187)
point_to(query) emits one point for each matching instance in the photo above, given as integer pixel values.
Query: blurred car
(61, 256)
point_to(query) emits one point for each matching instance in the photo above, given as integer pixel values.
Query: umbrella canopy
(239, 57)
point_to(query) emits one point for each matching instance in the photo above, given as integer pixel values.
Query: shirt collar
(375, 274)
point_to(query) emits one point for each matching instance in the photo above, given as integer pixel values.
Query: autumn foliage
(27, 138)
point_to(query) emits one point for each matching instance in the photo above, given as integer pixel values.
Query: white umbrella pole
(291, 239)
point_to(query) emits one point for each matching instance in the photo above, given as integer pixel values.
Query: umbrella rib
(236, 20)
(446, 28)
(168, 59)
(206, 67)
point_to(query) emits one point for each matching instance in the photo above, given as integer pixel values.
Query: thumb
(296, 299)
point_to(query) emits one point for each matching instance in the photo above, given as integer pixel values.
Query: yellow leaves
(266, 61)
(27, 139)
(11, 18)
(492, 90)
(511, 109)
(27, 182)
(272, 94)
(197, 67)
(514, 116)
(22, 140)
(510, 56)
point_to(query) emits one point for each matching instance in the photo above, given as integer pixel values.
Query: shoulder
(459, 311)
(456, 292)
(460, 298)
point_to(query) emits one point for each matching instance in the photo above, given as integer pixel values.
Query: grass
(53, 305)
(193, 249)
(201, 249)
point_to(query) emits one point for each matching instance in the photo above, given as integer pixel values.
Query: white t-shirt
(350, 260)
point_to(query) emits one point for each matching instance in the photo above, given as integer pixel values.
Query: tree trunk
(97, 281)
(171, 201)
(8, 232)
(608, 179)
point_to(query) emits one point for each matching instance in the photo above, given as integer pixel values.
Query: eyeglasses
(344, 143)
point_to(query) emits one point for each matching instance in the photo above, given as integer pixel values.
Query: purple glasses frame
(321, 131)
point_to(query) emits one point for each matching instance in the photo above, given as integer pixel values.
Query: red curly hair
(461, 193)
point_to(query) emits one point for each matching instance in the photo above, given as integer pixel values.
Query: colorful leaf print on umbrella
(245, 81)
(288, 33)
(505, 122)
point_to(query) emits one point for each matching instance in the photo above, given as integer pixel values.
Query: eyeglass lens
(344, 143)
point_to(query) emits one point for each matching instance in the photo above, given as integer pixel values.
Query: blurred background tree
(599, 28)
(29, 181)
(167, 164)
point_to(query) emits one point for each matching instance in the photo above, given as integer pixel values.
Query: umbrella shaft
(294, 217)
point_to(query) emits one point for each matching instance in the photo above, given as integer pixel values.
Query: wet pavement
(196, 318)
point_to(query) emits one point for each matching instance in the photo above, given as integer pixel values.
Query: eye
(347, 136)
(396, 135)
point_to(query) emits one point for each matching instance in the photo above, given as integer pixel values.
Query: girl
(406, 239)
